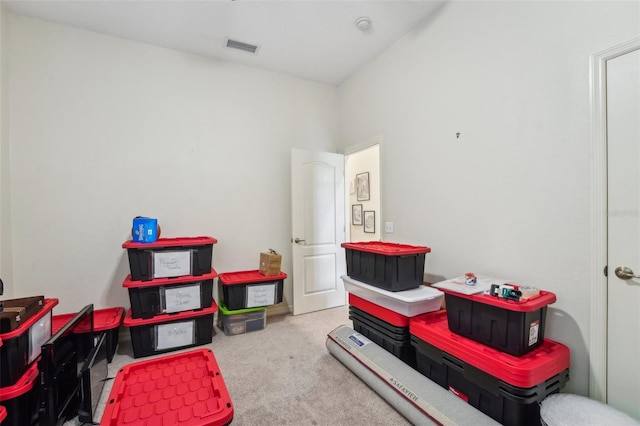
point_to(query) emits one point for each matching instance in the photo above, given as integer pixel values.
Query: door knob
(625, 273)
(298, 241)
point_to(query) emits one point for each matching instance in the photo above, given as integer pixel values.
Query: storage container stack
(244, 297)
(490, 350)
(170, 290)
(25, 324)
(384, 281)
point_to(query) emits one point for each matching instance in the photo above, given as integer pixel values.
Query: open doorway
(362, 186)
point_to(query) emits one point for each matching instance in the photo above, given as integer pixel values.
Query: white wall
(510, 197)
(103, 129)
(364, 161)
(6, 256)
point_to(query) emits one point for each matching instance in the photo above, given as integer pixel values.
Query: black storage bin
(398, 344)
(393, 267)
(21, 399)
(21, 346)
(507, 325)
(169, 295)
(170, 332)
(170, 257)
(250, 289)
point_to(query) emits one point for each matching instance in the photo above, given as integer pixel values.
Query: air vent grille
(245, 47)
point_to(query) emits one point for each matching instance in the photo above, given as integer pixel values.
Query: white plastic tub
(408, 303)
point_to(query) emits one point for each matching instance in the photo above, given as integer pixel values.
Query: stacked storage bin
(384, 281)
(170, 290)
(244, 297)
(492, 353)
(22, 336)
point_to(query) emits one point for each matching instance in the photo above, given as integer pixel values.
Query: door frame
(599, 214)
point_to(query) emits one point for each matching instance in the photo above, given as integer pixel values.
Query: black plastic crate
(106, 321)
(391, 266)
(21, 399)
(250, 289)
(507, 325)
(170, 257)
(399, 332)
(398, 345)
(170, 332)
(510, 405)
(170, 295)
(21, 346)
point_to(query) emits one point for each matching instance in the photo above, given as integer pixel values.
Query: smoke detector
(363, 24)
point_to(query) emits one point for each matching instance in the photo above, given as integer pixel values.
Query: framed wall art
(356, 214)
(362, 186)
(369, 221)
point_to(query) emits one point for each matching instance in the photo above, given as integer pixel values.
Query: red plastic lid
(171, 242)
(3, 413)
(378, 311)
(46, 308)
(128, 283)
(248, 277)
(23, 385)
(526, 371)
(387, 249)
(129, 321)
(185, 389)
(103, 319)
(545, 298)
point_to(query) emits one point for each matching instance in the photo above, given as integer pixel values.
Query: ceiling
(309, 39)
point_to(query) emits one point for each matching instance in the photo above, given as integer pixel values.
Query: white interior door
(317, 200)
(623, 168)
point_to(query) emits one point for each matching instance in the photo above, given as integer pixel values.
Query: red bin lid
(387, 249)
(533, 304)
(129, 283)
(171, 242)
(46, 308)
(185, 389)
(103, 319)
(526, 371)
(23, 385)
(3, 413)
(378, 311)
(248, 277)
(129, 321)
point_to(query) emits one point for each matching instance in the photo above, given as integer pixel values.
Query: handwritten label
(182, 298)
(261, 295)
(175, 335)
(171, 264)
(39, 333)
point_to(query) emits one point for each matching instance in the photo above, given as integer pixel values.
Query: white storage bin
(408, 303)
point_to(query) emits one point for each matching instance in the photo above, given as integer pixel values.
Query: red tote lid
(526, 371)
(129, 321)
(103, 319)
(378, 311)
(23, 385)
(387, 249)
(3, 413)
(248, 277)
(46, 308)
(129, 283)
(185, 389)
(533, 304)
(171, 242)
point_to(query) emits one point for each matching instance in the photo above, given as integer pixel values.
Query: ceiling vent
(244, 47)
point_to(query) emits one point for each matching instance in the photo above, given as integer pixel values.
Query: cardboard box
(270, 263)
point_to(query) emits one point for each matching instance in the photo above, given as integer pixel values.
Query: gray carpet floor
(284, 375)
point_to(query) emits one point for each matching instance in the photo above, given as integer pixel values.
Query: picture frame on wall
(369, 218)
(362, 187)
(356, 214)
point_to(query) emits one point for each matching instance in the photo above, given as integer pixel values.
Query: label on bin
(171, 264)
(181, 298)
(175, 335)
(261, 295)
(534, 329)
(39, 333)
